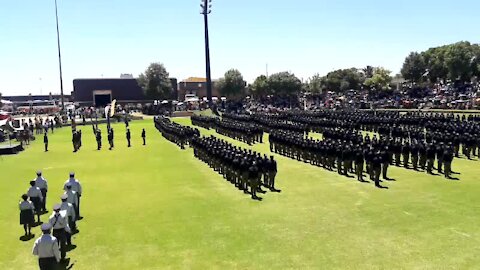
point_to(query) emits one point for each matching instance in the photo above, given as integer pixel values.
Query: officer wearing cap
(144, 137)
(47, 249)
(98, 137)
(45, 141)
(69, 211)
(36, 197)
(110, 138)
(60, 228)
(129, 136)
(42, 184)
(77, 187)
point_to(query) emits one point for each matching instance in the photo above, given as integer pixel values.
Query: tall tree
(414, 67)
(316, 84)
(381, 79)
(260, 87)
(155, 82)
(284, 84)
(344, 79)
(232, 84)
(458, 59)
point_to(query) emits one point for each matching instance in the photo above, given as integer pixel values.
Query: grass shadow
(26, 238)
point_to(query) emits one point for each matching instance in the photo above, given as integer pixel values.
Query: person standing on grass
(98, 137)
(60, 229)
(27, 217)
(45, 141)
(144, 136)
(69, 210)
(36, 197)
(42, 184)
(77, 187)
(72, 196)
(447, 160)
(129, 136)
(110, 138)
(47, 249)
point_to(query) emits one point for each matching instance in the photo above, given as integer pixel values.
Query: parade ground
(158, 207)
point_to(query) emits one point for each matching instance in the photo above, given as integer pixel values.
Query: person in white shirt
(60, 229)
(47, 250)
(77, 187)
(70, 214)
(42, 184)
(26, 214)
(35, 195)
(72, 196)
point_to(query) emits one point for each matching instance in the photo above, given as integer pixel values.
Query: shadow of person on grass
(26, 238)
(65, 265)
(36, 224)
(70, 248)
(381, 187)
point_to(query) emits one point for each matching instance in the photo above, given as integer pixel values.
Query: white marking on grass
(460, 233)
(407, 213)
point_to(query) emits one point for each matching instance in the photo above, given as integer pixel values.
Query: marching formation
(246, 169)
(52, 246)
(248, 133)
(174, 132)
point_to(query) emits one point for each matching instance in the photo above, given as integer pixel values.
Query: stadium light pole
(59, 59)
(206, 6)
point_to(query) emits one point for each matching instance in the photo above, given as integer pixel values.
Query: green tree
(156, 82)
(344, 79)
(260, 88)
(232, 84)
(414, 67)
(284, 84)
(381, 79)
(315, 84)
(458, 61)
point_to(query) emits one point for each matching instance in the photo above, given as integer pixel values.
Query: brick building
(100, 92)
(196, 86)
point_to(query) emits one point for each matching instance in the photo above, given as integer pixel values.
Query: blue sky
(105, 37)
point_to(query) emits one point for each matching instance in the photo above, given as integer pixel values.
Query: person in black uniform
(110, 138)
(98, 137)
(431, 151)
(385, 163)
(359, 163)
(447, 159)
(144, 137)
(253, 179)
(129, 136)
(414, 154)
(79, 139)
(440, 149)
(422, 152)
(406, 154)
(74, 141)
(272, 173)
(376, 168)
(45, 141)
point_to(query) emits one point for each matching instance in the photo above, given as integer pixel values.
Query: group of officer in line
(77, 138)
(176, 133)
(52, 246)
(243, 168)
(462, 131)
(248, 133)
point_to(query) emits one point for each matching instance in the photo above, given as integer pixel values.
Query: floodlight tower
(206, 8)
(59, 59)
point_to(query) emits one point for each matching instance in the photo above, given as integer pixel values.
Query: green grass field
(157, 207)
